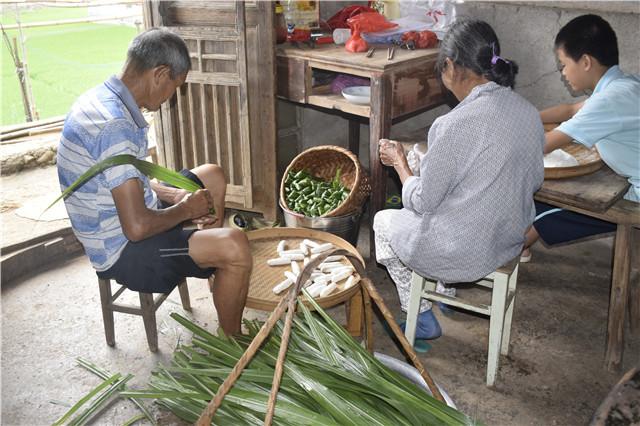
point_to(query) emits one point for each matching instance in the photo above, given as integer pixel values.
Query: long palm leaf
(149, 169)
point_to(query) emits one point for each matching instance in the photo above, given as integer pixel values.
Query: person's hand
(391, 153)
(179, 195)
(198, 204)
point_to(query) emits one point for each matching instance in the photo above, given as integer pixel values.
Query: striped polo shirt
(103, 122)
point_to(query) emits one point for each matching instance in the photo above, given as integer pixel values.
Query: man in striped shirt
(131, 227)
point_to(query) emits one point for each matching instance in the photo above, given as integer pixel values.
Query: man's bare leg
(212, 176)
(228, 251)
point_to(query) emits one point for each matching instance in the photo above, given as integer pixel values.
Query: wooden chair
(503, 284)
(147, 310)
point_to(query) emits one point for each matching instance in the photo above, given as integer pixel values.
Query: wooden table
(600, 195)
(400, 88)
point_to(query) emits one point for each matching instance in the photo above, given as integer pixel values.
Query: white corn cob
(304, 249)
(314, 290)
(323, 279)
(281, 246)
(322, 248)
(290, 252)
(342, 268)
(310, 243)
(292, 256)
(315, 275)
(333, 258)
(340, 276)
(351, 281)
(295, 268)
(282, 286)
(313, 256)
(324, 267)
(293, 277)
(278, 261)
(305, 261)
(328, 290)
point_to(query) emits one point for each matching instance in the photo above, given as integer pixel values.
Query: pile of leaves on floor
(329, 379)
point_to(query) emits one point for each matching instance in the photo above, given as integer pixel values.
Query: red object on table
(339, 20)
(356, 43)
(421, 39)
(297, 35)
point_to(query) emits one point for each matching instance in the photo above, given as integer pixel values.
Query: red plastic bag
(339, 20)
(370, 22)
(356, 43)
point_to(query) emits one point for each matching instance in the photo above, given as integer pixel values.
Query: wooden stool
(263, 244)
(503, 284)
(147, 310)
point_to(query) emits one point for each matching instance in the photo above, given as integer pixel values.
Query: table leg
(368, 319)
(379, 127)
(634, 286)
(354, 137)
(354, 314)
(618, 299)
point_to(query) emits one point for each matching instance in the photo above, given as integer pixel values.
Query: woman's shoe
(428, 327)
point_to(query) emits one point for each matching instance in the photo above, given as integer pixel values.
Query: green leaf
(149, 169)
(86, 398)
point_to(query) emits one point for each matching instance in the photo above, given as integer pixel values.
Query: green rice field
(64, 61)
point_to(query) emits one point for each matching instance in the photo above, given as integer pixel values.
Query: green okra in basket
(312, 196)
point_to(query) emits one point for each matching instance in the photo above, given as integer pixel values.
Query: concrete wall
(526, 32)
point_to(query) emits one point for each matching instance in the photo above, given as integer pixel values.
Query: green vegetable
(312, 196)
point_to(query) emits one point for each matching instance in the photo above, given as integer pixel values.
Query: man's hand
(197, 204)
(178, 195)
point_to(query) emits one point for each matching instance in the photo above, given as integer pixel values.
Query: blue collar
(612, 73)
(119, 89)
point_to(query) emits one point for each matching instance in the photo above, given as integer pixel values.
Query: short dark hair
(589, 35)
(156, 47)
(474, 45)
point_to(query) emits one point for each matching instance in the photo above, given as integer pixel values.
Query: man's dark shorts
(557, 226)
(159, 263)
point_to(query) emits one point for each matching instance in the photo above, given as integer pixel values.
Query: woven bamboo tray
(263, 244)
(589, 160)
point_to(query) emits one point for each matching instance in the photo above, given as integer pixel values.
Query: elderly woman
(467, 212)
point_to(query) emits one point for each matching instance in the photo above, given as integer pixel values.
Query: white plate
(357, 94)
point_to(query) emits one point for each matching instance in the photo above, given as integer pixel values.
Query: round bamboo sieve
(263, 244)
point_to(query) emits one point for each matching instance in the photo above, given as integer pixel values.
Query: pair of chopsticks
(390, 52)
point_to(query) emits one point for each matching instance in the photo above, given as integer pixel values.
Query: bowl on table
(357, 94)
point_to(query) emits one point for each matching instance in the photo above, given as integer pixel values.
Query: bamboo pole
(286, 333)
(21, 80)
(225, 387)
(411, 353)
(33, 114)
(290, 303)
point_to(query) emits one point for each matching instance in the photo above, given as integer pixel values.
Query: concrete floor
(553, 376)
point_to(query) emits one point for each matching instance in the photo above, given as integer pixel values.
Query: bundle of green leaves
(329, 379)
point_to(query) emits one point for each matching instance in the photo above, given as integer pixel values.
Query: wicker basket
(323, 161)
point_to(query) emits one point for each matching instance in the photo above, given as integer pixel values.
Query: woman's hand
(391, 153)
